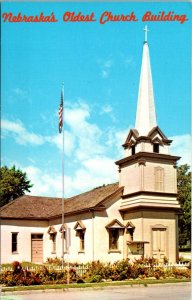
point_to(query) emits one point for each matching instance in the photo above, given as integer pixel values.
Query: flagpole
(63, 180)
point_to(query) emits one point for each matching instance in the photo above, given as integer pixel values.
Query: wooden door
(159, 243)
(37, 248)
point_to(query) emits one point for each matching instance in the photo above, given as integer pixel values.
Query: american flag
(61, 113)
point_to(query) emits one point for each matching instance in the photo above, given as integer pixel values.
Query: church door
(159, 240)
(37, 248)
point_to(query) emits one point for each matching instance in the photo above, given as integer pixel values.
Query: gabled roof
(79, 226)
(157, 131)
(63, 228)
(155, 135)
(35, 207)
(115, 224)
(51, 230)
(129, 225)
(132, 135)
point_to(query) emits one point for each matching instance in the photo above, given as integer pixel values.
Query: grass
(24, 265)
(144, 282)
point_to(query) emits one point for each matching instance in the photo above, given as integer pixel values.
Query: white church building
(132, 218)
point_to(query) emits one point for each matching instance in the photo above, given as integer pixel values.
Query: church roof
(36, 207)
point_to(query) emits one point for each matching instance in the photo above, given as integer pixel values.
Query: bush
(159, 272)
(180, 273)
(17, 268)
(95, 278)
(95, 272)
(80, 280)
(54, 261)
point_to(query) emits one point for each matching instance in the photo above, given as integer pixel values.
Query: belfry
(148, 175)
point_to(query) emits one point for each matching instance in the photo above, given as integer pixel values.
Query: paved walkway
(179, 291)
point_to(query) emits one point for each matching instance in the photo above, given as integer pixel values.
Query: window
(63, 229)
(80, 232)
(159, 179)
(115, 228)
(53, 237)
(82, 240)
(113, 239)
(133, 150)
(130, 230)
(14, 241)
(156, 148)
(53, 234)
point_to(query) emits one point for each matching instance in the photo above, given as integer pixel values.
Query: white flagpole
(63, 182)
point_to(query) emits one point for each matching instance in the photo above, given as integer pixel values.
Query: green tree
(13, 183)
(184, 197)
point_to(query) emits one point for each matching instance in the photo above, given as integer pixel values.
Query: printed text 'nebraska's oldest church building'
(134, 217)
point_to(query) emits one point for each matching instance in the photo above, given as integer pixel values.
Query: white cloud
(108, 64)
(105, 67)
(104, 74)
(101, 166)
(23, 137)
(91, 173)
(106, 109)
(57, 140)
(86, 136)
(115, 140)
(20, 92)
(129, 61)
(181, 146)
(44, 184)
(20, 134)
(91, 150)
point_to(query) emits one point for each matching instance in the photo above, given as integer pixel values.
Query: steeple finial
(146, 30)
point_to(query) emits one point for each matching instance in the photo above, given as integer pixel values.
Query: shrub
(180, 273)
(159, 272)
(95, 278)
(80, 280)
(95, 272)
(17, 268)
(54, 261)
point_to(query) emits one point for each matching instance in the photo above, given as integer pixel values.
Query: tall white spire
(146, 116)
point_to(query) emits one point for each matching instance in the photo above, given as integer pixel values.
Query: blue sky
(100, 67)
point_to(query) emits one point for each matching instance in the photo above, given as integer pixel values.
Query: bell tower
(148, 170)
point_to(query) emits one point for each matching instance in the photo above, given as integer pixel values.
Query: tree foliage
(13, 183)
(184, 197)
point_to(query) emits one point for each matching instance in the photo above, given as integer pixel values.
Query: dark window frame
(81, 234)
(156, 148)
(133, 150)
(113, 239)
(14, 242)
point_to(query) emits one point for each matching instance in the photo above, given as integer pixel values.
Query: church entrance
(37, 248)
(159, 243)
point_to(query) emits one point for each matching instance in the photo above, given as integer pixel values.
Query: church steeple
(146, 116)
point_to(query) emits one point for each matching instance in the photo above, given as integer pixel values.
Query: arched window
(52, 234)
(114, 229)
(130, 230)
(80, 231)
(159, 179)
